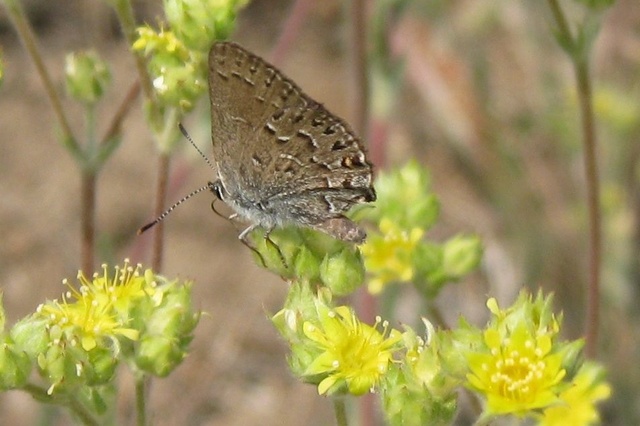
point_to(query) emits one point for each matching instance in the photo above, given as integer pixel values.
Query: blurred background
(479, 92)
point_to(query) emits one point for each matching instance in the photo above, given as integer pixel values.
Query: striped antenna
(188, 136)
(170, 209)
(208, 186)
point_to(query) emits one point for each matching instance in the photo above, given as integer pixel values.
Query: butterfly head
(217, 188)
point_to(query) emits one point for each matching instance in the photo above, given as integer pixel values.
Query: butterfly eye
(217, 188)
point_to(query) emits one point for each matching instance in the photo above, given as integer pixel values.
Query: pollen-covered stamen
(96, 310)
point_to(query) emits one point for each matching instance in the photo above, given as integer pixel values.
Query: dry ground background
(236, 373)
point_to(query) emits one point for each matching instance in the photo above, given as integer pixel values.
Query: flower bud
(342, 272)
(30, 335)
(86, 76)
(461, 255)
(164, 342)
(15, 366)
(197, 23)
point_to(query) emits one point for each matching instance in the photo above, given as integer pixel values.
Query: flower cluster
(178, 74)
(331, 347)
(176, 58)
(78, 341)
(516, 364)
(396, 251)
(389, 254)
(521, 368)
(308, 255)
(197, 23)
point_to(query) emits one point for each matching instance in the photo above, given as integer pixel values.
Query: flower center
(517, 375)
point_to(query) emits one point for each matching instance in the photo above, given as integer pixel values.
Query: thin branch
(340, 410)
(26, 34)
(87, 220)
(593, 201)
(580, 62)
(141, 409)
(40, 394)
(161, 195)
(127, 21)
(121, 113)
(558, 15)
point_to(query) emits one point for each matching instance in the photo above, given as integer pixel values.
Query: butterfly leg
(268, 241)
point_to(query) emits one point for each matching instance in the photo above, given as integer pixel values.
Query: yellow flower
(351, 353)
(578, 402)
(389, 257)
(98, 309)
(518, 371)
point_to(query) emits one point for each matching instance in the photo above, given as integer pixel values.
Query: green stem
(79, 411)
(340, 410)
(116, 122)
(593, 200)
(124, 10)
(580, 62)
(141, 384)
(40, 394)
(26, 34)
(91, 151)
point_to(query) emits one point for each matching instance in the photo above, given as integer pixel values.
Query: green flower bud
(68, 366)
(404, 197)
(572, 356)
(307, 265)
(164, 342)
(86, 76)
(197, 23)
(15, 366)
(300, 306)
(159, 355)
(343, 272)
(101, 367)
(52, 366)
(294, 252)
(408, 403)
(278, 252)
(31, 336)
(461, 255)
(430, 275)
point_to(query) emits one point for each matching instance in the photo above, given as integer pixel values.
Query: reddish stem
(593, 202)
(161, 195)
(87, 226)
(290, 30)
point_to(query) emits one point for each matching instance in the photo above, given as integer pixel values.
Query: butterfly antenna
(186, 135)
(170, 209)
